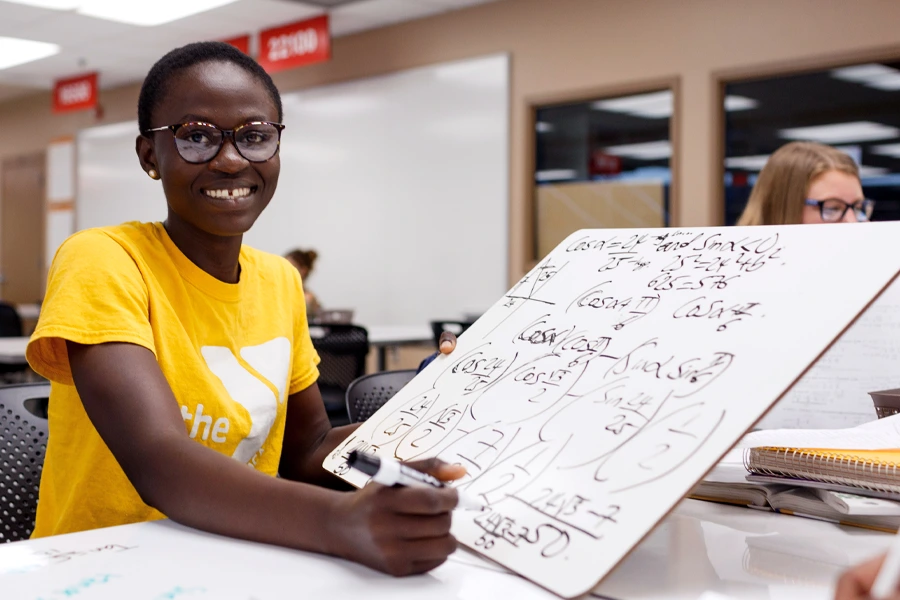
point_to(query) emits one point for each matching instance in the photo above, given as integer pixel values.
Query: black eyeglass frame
(858, 207)
(226, 133)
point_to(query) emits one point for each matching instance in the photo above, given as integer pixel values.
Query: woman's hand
(447, 343)
(856, 584)
(398, 530)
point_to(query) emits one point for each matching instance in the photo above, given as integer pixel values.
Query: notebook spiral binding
(831, 467)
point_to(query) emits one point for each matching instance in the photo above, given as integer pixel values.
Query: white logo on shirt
(271, 360)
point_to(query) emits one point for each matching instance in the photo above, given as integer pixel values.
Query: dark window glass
(602, 164)
(855, 109)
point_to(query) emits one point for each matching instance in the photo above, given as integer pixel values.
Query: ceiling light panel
(659, 105)
(736, 103)
(14, 51)
(863, 73)
(837, 133)
(645, 151)
(555, 175)
(886, 150)
(873, 75)
(656, 105)
(867, 171)
(747, 163)
(889, 82)
(147, 15)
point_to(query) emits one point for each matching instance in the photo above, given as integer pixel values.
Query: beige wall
(571, 49)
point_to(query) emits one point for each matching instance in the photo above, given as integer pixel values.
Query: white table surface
(12, 349)
(735, 552)
(29, 311)
(388, 335)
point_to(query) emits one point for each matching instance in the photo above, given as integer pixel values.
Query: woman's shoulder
(106, 243)
(266, 264)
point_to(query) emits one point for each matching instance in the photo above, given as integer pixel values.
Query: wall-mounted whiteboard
(112, 187)
(400, 182)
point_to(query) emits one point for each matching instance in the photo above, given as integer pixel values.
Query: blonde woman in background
(806, 182)
(304, 261)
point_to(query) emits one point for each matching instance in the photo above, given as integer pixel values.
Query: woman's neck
(217, 255)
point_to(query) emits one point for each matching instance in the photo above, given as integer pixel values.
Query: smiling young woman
(180, 357)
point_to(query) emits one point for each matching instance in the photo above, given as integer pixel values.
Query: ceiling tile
(262, 14)
(347, 24)
(322, 3)
(12, 13)
(384, 12)
(69, 29)
(454, 4)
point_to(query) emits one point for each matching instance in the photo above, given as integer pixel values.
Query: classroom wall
(572, 49)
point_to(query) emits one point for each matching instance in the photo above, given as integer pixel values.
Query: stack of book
(849, 476)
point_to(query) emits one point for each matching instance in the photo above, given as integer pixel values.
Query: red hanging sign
(295, 45)
(75, 93)
(605, 164)
(242, 43)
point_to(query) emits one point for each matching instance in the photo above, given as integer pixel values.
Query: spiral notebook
(871, 470)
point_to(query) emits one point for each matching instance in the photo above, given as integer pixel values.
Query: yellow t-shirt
(231, 353)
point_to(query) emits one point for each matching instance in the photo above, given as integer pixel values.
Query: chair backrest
(10, 321)
(343, 350)
(369, 393)
(455, 327)
(23, 441)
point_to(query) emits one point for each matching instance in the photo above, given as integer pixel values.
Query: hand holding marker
(388, 471)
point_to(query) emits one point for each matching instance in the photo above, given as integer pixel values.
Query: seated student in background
(183, 375)
(806, 182)
(446, 345)
(304, 261)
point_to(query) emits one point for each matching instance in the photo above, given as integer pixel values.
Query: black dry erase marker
(388, 471)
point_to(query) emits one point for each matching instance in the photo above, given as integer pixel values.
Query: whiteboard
(61, 171)
(834, 394)
(112, 188)
(400, 182)
(594, 395)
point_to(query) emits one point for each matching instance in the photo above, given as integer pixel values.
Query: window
(603, 163)
(852, 108)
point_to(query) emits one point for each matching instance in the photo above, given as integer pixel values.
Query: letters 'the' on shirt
(231, 353)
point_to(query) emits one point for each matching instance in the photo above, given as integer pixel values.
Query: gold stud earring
(153, 174)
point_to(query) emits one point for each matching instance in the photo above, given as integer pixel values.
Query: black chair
(455, 327)
(370, 392)
(343, 350)
(10, 321)
(23, 441)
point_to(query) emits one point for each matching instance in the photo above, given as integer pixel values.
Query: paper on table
(880, 434)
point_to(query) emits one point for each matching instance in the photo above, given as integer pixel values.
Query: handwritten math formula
(607, 381)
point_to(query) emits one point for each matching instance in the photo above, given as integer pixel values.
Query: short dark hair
(303, 258)
(156, 83)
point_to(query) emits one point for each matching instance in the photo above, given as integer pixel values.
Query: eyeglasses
(833, 210)
(198, 142)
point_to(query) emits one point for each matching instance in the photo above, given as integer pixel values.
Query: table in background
(12, 350)
(29, 314)
(736, 552)
(383, 337)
